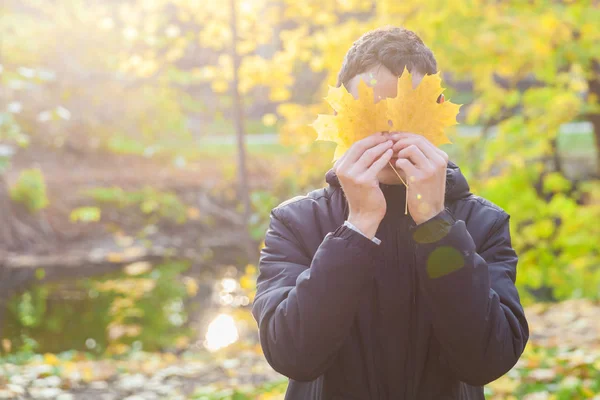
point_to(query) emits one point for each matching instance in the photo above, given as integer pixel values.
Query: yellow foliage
(138, 268)
(191, 286)
(219, 86)
(269, 119)
(297, 130)
(182, 342)
(412, 110)
(417, 110)
(251, 269)
(170, 358)
(193, 213)
(271, 396)
(114, 257)
(247, 282)
(504, 385)
(134, 287)
(87, 373)
(278, 94)
(51, 359)
(116, 349)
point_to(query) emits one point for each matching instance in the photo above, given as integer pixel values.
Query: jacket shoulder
(315, 198)
(312, 216)
(482, 217)
(483, 202)
(481, 205)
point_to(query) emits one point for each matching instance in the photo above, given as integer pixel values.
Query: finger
(422, 141)
(372, 154)
(339, 162)
(379, 164)
(409, 169)
(429, 149)
(416, 156)
(411, 139)
(402, 135)
(403, 139)
(358, 148)
(342, 163)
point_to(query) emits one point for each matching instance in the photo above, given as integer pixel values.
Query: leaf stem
(406, 201)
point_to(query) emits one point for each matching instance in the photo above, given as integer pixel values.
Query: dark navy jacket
(430, 313)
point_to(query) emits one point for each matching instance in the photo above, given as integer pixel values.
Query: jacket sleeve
(477, 315)
(305, 307)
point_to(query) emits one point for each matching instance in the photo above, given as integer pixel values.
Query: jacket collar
(457, 186)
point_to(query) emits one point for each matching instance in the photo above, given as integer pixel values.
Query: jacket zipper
(414, 274)
(413, 320)
(409, 388)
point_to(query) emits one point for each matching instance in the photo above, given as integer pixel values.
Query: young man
(357, 300)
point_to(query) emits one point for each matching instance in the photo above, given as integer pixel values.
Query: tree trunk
(594, 88)
(7, 234)
(595, 120)
(10, 238)
(238, 119)
(19, 230)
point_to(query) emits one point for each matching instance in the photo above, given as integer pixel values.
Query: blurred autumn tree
(152, 76)
(531, 67)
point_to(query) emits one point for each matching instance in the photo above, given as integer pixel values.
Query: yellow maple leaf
(355, 118)
(417, 110)
(412, 110)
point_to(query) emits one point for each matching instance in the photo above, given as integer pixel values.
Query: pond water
(163, 309)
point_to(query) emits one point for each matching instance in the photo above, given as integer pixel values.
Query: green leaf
(85, 214)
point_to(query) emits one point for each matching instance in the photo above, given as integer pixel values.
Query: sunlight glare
(246, 6)
(229, 285)
(221, 333)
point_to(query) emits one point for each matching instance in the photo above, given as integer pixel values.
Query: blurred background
(143, 144)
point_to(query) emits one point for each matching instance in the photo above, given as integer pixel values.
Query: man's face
(386, 85)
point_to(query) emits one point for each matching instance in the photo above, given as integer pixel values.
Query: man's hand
(357, 171)
(425, 169)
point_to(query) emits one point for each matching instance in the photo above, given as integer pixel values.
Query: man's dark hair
(392, 47)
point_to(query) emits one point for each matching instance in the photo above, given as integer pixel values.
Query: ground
(562, 361)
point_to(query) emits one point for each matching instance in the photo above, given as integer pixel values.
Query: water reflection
(222, 332)
(228, 296)
(229, 285)
(229, 293)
